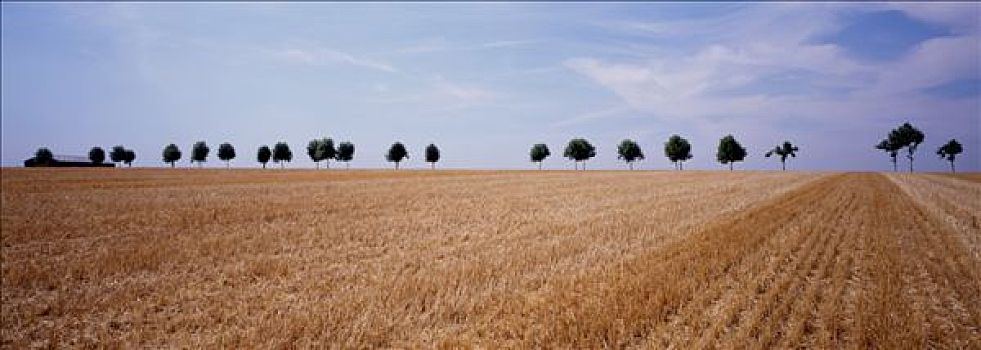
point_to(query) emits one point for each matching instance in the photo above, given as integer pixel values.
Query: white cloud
(744, 47)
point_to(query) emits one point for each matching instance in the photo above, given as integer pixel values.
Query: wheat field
(488, 259)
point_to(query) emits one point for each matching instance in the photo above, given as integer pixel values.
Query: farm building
(66, 161)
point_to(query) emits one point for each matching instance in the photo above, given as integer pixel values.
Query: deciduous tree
(678, 150)
(949, 151)
(784, 150)
(43, 156)
(171, 154)
(199, 152)
(263, 155)
(396, 154)
(538, 153)
(432, 155)
(345, 153)
(730, 151)
(630, 151)
(226, 152)
(579, 150)
(281, 154)
(97, 155)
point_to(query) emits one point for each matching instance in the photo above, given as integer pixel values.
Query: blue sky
(485, 81)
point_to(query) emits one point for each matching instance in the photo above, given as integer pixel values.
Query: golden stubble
(204, 258)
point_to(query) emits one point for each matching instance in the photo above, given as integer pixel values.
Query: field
(230, 258)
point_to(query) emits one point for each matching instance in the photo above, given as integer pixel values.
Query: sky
(485, 81)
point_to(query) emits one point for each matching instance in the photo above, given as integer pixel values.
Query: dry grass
(205, 258)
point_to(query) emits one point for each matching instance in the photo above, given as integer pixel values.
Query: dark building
(67, 161)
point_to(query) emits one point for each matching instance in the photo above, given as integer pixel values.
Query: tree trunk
(895, 168)
(730, 166)
(226, 165)
(433, 165)
(539, 165)
(347, 165)
(171, 164)
(584, 165)
(575, 164)
(396, 165)
(327, 163)
(631, 165)
(263, 165)
(911, 164)
(783, 165)
(318, 164)
(952, 167)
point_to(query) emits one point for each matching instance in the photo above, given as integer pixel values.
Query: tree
(199, 152)
(630, 151)
(910, 137)
(317, 151)
(396, 153)
(890, 147)
(579, 150)
(538, 153)
(730, 151)
(171, 154)
(264, 155)
(345, 153)
(129, 158)
(97, 155)
(678, 150)
(226, 152)
(787, 149)
(43, 156)
(432, 155)
(949, 151)
(329, 151)
(281, 153)
(118, 154)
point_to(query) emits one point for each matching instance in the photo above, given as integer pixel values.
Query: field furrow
(186, 258)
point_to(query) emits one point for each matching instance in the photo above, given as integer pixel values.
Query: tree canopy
(43, 156)
(432, 155)
(263, 155)
(281, 153)
(117, 154)
(130, 156)
(345, 152)
(910, 137)
(171, 154)
(579, 150)
(678, 150)
(538, 153)
(730, 151)
(784, 150)
(949, 151)
(199, 152)
(97, 155)
(226, 152)
(396, 154)
(629, 151)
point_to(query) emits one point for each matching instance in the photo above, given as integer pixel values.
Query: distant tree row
(677, 149)
(909, 137)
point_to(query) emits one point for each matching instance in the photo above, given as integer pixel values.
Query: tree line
(909, 137)
(677, 149)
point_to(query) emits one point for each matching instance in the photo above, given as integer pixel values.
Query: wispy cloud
(322, 56)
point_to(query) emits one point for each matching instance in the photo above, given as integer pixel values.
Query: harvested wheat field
(271, 258)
